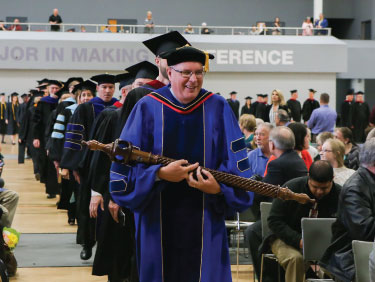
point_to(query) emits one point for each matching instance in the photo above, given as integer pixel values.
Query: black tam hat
(187, 54)
(104, 78)
(143, 69)
(165, 42)
(125, 79)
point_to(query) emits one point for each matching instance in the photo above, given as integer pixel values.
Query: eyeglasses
(327, 151)
(188, 74)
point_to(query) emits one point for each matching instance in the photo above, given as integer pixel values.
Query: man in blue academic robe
(179, 214)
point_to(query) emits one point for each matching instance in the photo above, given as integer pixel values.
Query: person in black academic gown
(246, 109)
(263, 108)
(13, 122)
(253, 108)
(20, 115)
(361, 112)
(309, 105)
(75, 157)
(234, 104)
(294, 106)
(41, 134)
(25, 136)
(3, 117)
(346, 116)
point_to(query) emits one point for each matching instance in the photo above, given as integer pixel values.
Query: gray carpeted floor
(49, 250)
(60, 250)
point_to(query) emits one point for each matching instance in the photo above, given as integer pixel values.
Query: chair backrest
(247, 216)
(316, 236)
(265, 208)
(361, 252)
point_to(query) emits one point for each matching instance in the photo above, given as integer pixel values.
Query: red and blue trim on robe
(180, 231)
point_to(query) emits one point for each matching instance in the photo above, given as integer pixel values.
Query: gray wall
(339, 9)
(165, 12)
(363, 10)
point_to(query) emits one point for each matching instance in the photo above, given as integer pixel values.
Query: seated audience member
(258, 158)
(312, 150)
(321, 23)
(333, 151)
(2, 27)
(320, 139)
(356, 217)
(276, 29)
(259, 121)
(302, 142)
(205, 29)
(16, 25)
(286, 166)
(189, 29)
(149, 23)
(285, 217)
(262, 28)
(8, 205)
(254, 30)
(282, 118)
(351, 158)
(307, 27)
(247, 125)
(83, 28)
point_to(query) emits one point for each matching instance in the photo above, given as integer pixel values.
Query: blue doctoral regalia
(180, 231)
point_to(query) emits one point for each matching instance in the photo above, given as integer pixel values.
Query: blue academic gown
(180, 231)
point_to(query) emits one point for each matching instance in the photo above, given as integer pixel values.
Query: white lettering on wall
(253, 57)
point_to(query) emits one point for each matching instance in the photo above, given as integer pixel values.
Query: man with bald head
(55, 20)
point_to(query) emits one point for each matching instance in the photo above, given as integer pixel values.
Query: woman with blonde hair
(277, 103)
(333, 151)
(247, 125)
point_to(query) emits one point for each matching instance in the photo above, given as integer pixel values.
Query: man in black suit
(234, 104)
(287, 165)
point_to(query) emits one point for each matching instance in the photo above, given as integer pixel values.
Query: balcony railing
(159, 29)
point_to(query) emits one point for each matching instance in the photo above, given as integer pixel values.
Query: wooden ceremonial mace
(129, 153)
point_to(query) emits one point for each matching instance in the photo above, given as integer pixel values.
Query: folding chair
(316, 236)
(265, 209)
(361, 252)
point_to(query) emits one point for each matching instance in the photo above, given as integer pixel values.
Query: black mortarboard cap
(125, 79)
(62, 91)
(71, 79)
(350, 91)
(43, 81)
(233, 93)
(42, 87)
(55, 82)
(86, 85)
(143, 70)
(38, 94)
(359, 93)
(14, 94)
(104, 78)
(187, 54)
(293, 91)
(2, 94)
(23, 95)
(165, 42)
(312, 90)
(33, 91)
(264, 95)
(248, 97)
(260, 95)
